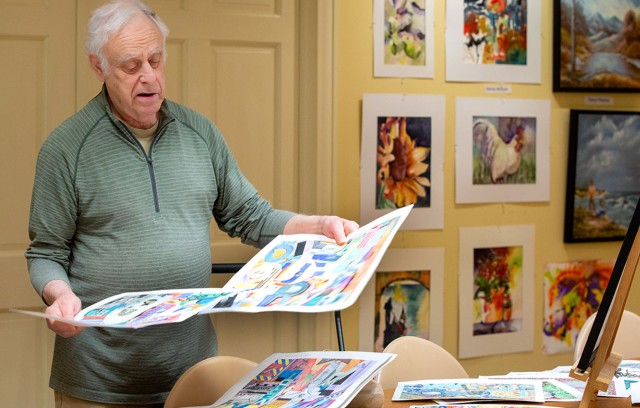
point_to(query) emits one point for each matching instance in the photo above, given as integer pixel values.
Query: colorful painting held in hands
(403, 162)
(497, 290)
(402, 306)
(404, 32)
(504, 150)
(495, 32)
(573, 291)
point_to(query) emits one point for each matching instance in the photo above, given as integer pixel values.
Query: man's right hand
(64, 303)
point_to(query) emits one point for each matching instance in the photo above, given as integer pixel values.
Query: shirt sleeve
(239, 210)
(52, 217)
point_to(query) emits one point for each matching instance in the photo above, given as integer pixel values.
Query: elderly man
(123, 197)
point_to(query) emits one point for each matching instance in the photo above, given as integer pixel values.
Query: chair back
(626, 336)
(418, 359)
(208, 380)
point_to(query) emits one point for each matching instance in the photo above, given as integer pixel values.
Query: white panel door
(37, 91)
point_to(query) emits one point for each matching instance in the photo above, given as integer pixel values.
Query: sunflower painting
(403, 162)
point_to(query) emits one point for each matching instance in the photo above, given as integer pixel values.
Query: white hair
(110, 18)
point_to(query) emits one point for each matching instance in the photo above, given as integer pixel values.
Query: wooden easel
(606, 362)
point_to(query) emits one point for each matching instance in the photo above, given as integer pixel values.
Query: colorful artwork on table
(573, 291)
(403, 162)
(495, 32)
(497, 296)
(402, 306)
(311, 379)
(504, 150)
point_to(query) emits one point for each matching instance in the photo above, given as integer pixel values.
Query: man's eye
(131, 68)
(154, 62)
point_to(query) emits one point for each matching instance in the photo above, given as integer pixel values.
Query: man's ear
(95, 65)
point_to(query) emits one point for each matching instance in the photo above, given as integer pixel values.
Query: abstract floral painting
(404, 298)
(403, 38)
(572, 293)
(493, 40)
(401, 162)
(495, 298)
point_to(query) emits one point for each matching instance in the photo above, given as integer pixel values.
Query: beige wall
(354, 76)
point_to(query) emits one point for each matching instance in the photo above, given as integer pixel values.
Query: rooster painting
(499, 147)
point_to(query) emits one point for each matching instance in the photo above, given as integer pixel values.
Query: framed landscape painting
(596, 46)
(603, 186)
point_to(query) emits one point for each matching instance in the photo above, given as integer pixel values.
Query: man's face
(135, 78)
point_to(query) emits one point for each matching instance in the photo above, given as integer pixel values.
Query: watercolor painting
(401, 306)
(403, 38)
(504, 150)
(403, 167)
(404, 298)
(495, 32)
(602, 184)
(307, 379)
(402, 158)
(573, 291)
(497, 290)
(596, 46)
(493, 40)
(495, 299)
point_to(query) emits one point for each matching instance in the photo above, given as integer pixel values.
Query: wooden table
(603, 402)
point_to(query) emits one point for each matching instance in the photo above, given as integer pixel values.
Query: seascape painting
(495, 32)
(597, 45)
(603, 185)
(504, 150)
(402, 306)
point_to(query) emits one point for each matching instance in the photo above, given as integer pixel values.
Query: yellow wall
(354, 76)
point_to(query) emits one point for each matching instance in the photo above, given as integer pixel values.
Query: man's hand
(64, 303)
(330, 226)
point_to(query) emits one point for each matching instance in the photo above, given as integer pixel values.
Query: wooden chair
(207, 381)
(626, 336)
(418, 359)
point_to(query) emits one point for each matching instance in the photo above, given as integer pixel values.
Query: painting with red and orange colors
(497, 290)
(573, 291)
(495, 32)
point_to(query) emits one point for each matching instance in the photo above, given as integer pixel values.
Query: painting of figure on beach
(603, 186)
(596, 45)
